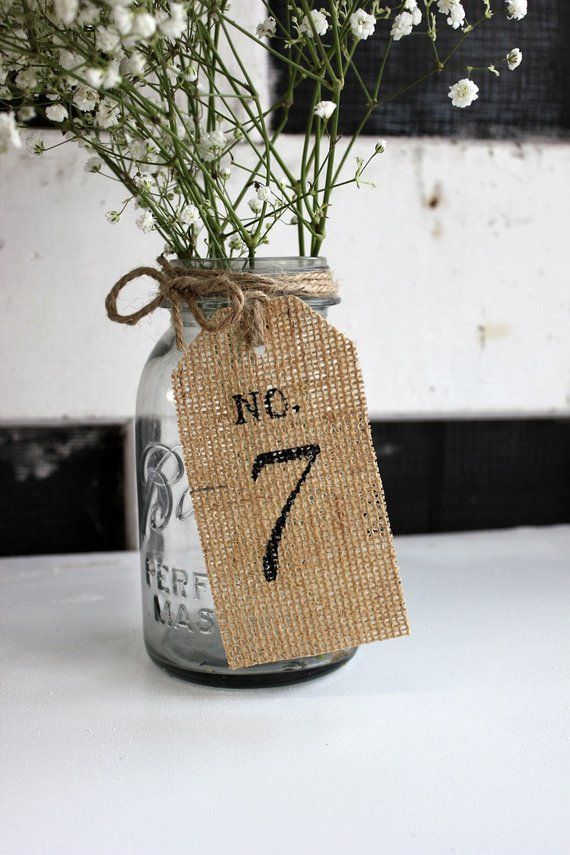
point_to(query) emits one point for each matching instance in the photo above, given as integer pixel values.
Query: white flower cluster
(146, 89)
(146, 222)
(325, 109)
(514, 58)
(516, 9)
(463, 93)
(454, 11)
(113, 34)
(266, 29)
(409, 18)
(362, 24)
(211, 145)
(315, 23)
(138, 25)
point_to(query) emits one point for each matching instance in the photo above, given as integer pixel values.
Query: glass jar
(180, 628)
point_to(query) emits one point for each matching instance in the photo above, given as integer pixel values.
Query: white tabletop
(452, 741)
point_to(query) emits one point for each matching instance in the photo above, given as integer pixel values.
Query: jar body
(181, 631)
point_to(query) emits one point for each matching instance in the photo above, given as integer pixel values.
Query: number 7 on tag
(283, 455)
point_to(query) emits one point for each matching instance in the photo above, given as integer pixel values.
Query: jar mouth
(270, 265)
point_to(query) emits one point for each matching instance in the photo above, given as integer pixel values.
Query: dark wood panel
(462, 475)
(61, 490)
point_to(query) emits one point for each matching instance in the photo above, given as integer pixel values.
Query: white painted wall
(462, 308)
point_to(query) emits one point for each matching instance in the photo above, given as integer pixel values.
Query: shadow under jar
(181, 631)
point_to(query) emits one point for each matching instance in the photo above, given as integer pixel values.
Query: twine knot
(247, 294)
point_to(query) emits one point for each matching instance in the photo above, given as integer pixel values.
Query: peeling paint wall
(454, 274)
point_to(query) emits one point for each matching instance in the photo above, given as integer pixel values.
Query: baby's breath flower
(172, 24)
(380, 146)
(27, 79)
(36, 144)
(112, 216)
(255, 204)
(107, 40)
(123, 19)
(445, 6)
(264, 193)
(216, 139)
(108, 113)
(69, 60)
(86, 99)
(319, 24)
(412, 7)
(93, 76)
(266, 29)
(134, 64)
(463, 93)
(207, 153)
(111, 76)
(190, 73)
(236, 243)
(66, 10)
(146, 222)
(402, 26)
(94, 164)
(190, 216)
(88, 15)
(362, 24)
(456, 16)
(514, 58)
(211, 145)
(26, 114)
(140, 150)
(144, 25)
(225, 173)
(516, 9)
(325, 109)
(144, 181)
(9, 133)
(56, 113)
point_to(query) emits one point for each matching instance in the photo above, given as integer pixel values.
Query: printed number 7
(283, 455)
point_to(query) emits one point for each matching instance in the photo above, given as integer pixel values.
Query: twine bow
(247, 294)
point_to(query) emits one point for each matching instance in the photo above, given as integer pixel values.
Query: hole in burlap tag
(286, 490)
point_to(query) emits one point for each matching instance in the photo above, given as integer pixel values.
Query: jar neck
(268, 266)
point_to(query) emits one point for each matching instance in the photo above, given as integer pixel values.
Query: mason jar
(181, 631)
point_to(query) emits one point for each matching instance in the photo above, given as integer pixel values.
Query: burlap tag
(286, 490)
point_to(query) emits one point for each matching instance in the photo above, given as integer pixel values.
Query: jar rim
(270, 264)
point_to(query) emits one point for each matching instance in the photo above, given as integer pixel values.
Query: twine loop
(247, 294)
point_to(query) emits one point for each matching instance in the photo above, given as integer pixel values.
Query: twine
(246, 292)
